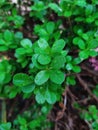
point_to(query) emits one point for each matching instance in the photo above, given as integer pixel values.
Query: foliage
(91, 116)
(42, 66)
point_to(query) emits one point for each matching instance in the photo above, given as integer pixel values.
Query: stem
(3, 111)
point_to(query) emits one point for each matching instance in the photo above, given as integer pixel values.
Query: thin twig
(3, 112)
(86, 87)
(89, 70)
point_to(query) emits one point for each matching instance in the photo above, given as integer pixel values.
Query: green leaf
(38, 6)
(35, 63)
(40, 97)
(8, 35)
(28, 88)
(2, 42)
(87, 116)
(43, 34)
(12, 94)
(3, 48)
(68, 58)
(38, 50)
(95, 125)
(42, 43)
(34, 123)
(50, 97)
(55, 7)
(7, 78)
(19, 35)
(76, 69)
(56, 76)
(21, 120)
(95, 91)
(2, 2)
(41, 77)
(90, 19)
(20, 51)
(69, 66)
(79, 19)
(93, 111)
(67, 13)
(58, 62)
(50, 27)
(2, 77)
(5, 126)
(89, 9)
(92, 44)
(85, 36)
(26, 43)
(81, 3)
(78, 41)
(93, 53)
(84, 54)
(70, 80)
(44, 59)
(58, 46)
(77, 60)
(22, 80)
(96, 22)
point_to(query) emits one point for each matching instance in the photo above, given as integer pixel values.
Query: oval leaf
(50, 97)
(50, 27)
(28, 88)
(41, 77)
(58, 46)
(58, 62)
(44, 59)
(56, 76)
(26, 43)
(21, 80)
(40, 98)
(42, 43)
(8, 36)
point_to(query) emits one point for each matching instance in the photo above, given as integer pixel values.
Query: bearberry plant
(41, 51)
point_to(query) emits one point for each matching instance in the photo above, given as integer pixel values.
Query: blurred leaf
(56, 76)
(41, 77)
